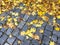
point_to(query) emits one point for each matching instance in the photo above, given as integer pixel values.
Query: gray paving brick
(57, 44)
(15, 32)
(3, 39)
(26, 17)
(21, 24)
(25, 27)
(26, 42)
(11, 40)
(49, 27)
(58, 21)
(20, 37)
(41, 36)
(6, 44)
(15, 43)
(35, 42)
(32, 17)
(44, 24)
(29, 20)
(38, 33)
(58, 40)
(3, 29)
(22, 15)
(17, 10)
(46, 40)
(8, 32)
(47, 33)
(51, 19)
(0, 34)
(54, 38)
(56, 33)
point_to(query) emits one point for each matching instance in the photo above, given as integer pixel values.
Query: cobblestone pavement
(44, 34)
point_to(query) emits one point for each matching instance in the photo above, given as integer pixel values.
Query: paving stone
(29, 38)
(8, 32)
(25, 27)
(56, 33)
(6, 44)
(17, 10)
(44, 24)
(54, 38)
(58, 21)
(15, 43)
(15, 32)
(22, 15)
(11, 40)
(3, 39)
(0, 34)
(26, 42)
(47, 33)
(26, 17)
(20, 37)
(46, 40)
(21, 24)
(41, 36)
(32, 17)
(35, 42)
(57, 44)
(29, 20)
(44, 44)
(38, 33)
(49, 27)
(58, 40)
(51, 19)
(3, 29)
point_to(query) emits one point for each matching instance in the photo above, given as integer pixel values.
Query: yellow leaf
(19, 42)
(40, 13)
(15, 19)
(35, 21)
(41, 22)
(27, 32)
(22, 33)
(38, 25)
(9, 19)
(58, 17)
(3, 3)
(57, 28)
(39, 0)
(30, 34)
(36, 37)
(0, 26)
(33, 30)
(52, 43)
(41, 31)
(16, 23)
